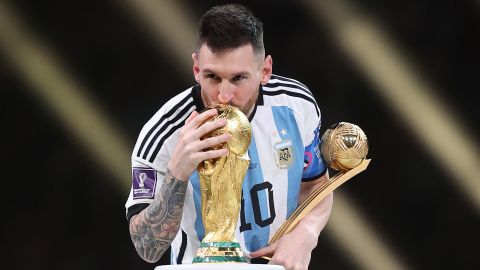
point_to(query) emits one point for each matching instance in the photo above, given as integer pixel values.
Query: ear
(196, 68)
(266, 70)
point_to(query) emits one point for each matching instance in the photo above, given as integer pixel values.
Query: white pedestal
(220, 266)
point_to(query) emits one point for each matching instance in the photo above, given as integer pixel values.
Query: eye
(239, 78)
(213, 77)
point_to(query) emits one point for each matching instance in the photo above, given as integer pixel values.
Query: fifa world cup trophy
(221, 182)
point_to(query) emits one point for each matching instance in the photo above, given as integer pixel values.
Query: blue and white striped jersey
(285, 150)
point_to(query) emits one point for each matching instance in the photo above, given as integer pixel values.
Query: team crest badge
(284, 153)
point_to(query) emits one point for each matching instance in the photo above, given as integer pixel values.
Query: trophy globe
(344, 146)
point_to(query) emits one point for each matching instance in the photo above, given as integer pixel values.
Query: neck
(252, 107)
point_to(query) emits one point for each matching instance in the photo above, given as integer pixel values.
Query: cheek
(246, 92)
(209, 93)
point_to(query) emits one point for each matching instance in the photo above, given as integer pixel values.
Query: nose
(225, 93)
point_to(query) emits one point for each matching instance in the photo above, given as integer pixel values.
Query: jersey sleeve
(314, 165)
(153, 150)
(145, 182)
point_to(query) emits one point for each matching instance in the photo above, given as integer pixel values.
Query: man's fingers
(192, 115)
(266, 251)
(200, 156)
(210, 126)
(212, 141)
(198, 125)
(201, 118)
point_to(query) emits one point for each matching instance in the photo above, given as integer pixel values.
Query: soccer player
(230, 66)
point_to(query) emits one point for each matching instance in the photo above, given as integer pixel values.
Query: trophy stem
(316, 197)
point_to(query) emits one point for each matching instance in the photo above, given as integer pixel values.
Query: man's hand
(188, 151)
(292, 251)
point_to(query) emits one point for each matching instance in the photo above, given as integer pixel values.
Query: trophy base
(219, 252)
(220, 266)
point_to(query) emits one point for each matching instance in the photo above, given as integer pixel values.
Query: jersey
(284, 151)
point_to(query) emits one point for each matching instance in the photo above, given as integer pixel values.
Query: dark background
(62, 210)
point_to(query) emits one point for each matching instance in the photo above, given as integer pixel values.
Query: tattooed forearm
(153, 229)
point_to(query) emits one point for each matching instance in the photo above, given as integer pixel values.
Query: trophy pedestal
(219, 252)
(220, 266)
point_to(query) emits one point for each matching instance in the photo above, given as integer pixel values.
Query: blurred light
(356, 237)
(64, 97)
(171, 26)
(413, 99)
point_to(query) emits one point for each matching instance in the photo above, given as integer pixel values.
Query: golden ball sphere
(344, 146)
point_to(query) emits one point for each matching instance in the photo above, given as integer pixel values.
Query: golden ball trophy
(344, 147)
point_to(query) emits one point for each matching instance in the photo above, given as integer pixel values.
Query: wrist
(171, 171)
(309, 232)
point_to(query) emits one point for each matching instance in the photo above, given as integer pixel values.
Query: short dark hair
(230, 26)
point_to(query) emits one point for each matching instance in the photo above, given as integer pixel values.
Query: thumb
(266, 251)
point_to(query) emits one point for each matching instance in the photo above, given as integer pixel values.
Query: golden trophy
(221, 182)
(344, 147)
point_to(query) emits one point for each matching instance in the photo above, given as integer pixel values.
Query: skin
(153, 229)
(231, 76)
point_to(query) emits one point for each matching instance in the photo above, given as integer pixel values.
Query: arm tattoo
(153, 229)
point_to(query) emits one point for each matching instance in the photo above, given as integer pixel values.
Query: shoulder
(177, 107)
(283, 91)
(166, 121)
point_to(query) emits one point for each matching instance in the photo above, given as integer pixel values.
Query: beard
(246, 108)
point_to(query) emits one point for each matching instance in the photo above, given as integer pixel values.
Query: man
(230, 66)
